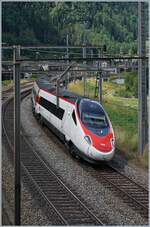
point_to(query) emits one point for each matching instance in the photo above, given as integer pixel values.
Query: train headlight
(88, 140)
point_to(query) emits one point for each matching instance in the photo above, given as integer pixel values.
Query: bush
(34, 76)
(123, 93)
(131, 83)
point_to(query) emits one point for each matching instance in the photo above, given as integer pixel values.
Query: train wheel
(73, 152)
(71, 148)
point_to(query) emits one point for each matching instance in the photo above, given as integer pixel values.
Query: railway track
(6, 93)
(69, 209)
(132, 193)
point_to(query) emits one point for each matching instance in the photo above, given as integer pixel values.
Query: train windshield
(93, 117)
(94, 120)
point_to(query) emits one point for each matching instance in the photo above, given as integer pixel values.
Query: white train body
(74, 120)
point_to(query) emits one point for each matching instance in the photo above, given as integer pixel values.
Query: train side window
(74, 117)
(51, 107)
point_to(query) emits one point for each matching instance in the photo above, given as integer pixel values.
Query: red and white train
(82, 123)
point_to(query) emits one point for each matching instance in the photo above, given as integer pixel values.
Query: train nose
(98, 154)
(104, 146)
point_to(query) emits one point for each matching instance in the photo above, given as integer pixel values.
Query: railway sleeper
(67, 204)
(81, 222)
(72, 213)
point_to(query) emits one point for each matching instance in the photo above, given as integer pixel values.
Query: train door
(66, 123)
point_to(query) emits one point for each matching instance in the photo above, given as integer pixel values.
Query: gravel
(105, 204)
(31, 212)
(132, 171)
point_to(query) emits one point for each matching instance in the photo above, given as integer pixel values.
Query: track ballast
(68, 207)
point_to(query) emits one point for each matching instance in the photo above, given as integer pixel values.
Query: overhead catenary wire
(53, 47)
(109, 57)
(59, 52)
(81, 59)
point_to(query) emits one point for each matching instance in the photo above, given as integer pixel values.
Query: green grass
(122, 112)
(123, 115)
(6, 82)
(34, 77)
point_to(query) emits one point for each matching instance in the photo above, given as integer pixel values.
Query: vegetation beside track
(123, 114)
(6, 84)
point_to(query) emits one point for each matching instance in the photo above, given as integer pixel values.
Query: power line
(86, 59)
(52, 47)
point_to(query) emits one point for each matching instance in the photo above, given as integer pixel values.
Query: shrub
(131, 83)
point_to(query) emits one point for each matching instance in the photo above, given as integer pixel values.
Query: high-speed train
(82, 123)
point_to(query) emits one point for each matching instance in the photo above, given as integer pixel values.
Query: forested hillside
(95, 23)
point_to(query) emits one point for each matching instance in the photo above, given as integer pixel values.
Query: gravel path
(102, 200)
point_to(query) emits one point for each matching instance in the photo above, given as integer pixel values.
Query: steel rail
(130, 185)
(116, 170)
(43, 195)
(85, 219)
(7, 93)
(121, 190)
(61, 182)
(98, 174)
(29, 175)
(110, 181)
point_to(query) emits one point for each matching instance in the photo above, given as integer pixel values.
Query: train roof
(44, 83)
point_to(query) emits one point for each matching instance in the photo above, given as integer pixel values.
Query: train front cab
(97, 140)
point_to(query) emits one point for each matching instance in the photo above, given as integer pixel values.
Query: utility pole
(148, 131)
(100, 87)
(92, 55)
(84, 62)
(16, 76)
(100, 77)
(67, 55)
(142, 98)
